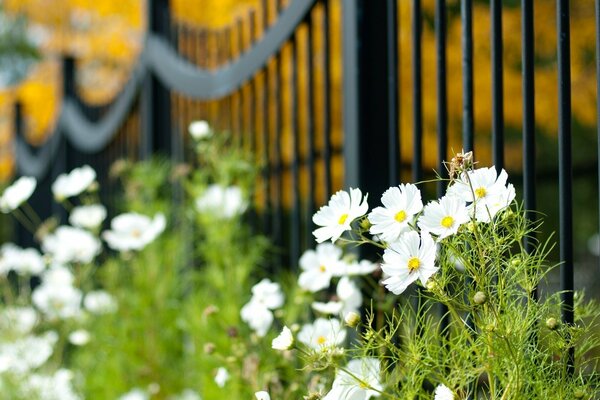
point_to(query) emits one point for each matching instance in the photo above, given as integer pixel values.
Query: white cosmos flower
(319, 266)
(323, 334)
(73, 183)
(19, 320)
(479, 185)
(58, 275)
(88, 217)
(27, 353)
(17, 193)
(57, 301)
(133, 231)
(412, 257)
(486, 211)
(257, 316)
(335, 218)
(200, 130)
(262, 395)
(221, 377)
(442, 392)
(51, 387)
(80, 337)
(360, 380)
(284, 341)
(22, 261)
(268, 294)
(67, 244)
(349, 295)
(222, 202)
(400, 204)
(443, 217)
(99, 302)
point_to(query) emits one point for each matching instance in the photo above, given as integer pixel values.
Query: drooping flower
(335, 218)
(359, 380)
(400, 204)
(22, 261)
(349, 299)
(442, 392)
(443, 217)
(319, 266)
(73, 183)
(67, 244)
(199, 130)
(222, 202)
(17, 193)
(88, 217)
(133, 231)
(284, 341)
(323, 334)
(221, 377)
(99, 302)
(262, 395)
(412, 257)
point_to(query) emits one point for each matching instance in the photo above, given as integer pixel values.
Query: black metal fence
(269, 79)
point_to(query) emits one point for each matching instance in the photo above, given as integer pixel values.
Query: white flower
(410, 258)
(27, 353)
(22, 261)
(262, 395)
(359, 380)
(352, 319)
(99, 302)
(364, 267)
(479, 185)
(268, 294)
(442, 392)
(80, 337)
(135, 394)
(88, 217)
(200, 130)
(58, 275)
(221, 377)
(221, 201)
(67, 244)
(51, 387)
(57, 301)
(486, 211)
(20, 320)
(444, 217)
(257, 316)
(73, 183)
(323, 334)
(17, 193)
(400, 203)
(133, 231)
(335, 218)
(319, 266)
(284, 341)
(350, 299)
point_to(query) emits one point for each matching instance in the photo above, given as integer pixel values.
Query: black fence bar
(529, 163)
(442, 93)
(252, 87)
(497, 85)
(466, 13)
(278, 184)
(265, 113)
(392, 93)
(326, 100)
(597, 14)
(295, 223)
(565, 165)
(310, 129)
(417, 153)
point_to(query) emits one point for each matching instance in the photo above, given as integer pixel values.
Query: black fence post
(156, 101)
(367, 112)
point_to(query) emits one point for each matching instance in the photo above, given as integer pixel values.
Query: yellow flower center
(400, 216)
(321, 340)
(447, 221)
(343, 219)
(363, 385)
(136, 233)
(413, 264)
(322, 268)
(480, 192)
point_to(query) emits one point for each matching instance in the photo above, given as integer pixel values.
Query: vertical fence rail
(417, 153)
(565, 166)
(497, 85)
(392, 92)
(466, 12)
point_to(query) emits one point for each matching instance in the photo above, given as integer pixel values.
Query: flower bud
(479, 298)
(551, 323)
(210, 310)
(352, 319)
(209, 348)
(579, 394)
(365, 224)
